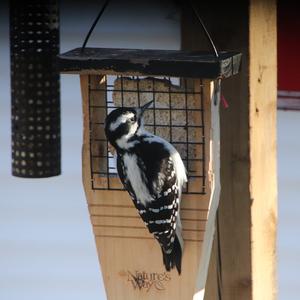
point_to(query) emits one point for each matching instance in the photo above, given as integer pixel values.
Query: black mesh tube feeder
(35, 88)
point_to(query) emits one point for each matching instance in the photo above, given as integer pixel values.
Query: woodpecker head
(122, 124)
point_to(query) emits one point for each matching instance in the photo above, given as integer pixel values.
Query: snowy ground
(47, 249)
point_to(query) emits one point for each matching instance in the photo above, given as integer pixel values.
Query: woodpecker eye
(132, 119)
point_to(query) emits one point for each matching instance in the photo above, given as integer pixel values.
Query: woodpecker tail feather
(173, 259)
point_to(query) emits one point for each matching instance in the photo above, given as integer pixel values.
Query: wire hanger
(195, 11)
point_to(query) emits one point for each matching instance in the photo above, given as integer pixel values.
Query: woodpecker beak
(144, 107)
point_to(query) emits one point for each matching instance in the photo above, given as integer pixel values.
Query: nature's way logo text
(146, 281)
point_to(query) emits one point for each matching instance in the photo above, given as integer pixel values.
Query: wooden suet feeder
(185, 87)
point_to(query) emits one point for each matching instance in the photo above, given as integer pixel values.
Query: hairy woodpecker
(153, 173)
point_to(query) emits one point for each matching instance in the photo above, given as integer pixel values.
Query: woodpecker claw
(111, 149)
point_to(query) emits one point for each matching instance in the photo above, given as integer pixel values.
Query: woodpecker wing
(158, 176)
(162, 213)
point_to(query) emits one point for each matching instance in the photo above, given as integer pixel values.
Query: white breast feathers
(136, 178)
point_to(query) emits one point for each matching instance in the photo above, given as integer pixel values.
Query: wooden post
(243, 260)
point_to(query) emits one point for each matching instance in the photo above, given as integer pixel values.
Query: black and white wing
(159, 209)
(162, 215)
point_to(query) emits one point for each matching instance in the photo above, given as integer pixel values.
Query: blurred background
(47, 249)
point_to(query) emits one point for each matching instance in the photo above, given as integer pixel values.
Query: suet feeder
(185, 87)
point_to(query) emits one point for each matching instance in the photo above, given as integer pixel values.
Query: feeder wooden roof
(193, 64)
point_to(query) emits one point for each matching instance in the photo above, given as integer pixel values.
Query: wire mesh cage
(177, 116)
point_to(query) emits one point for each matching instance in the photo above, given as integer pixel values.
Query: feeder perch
(185, 87)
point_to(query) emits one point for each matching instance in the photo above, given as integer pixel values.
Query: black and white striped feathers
(153, 173)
